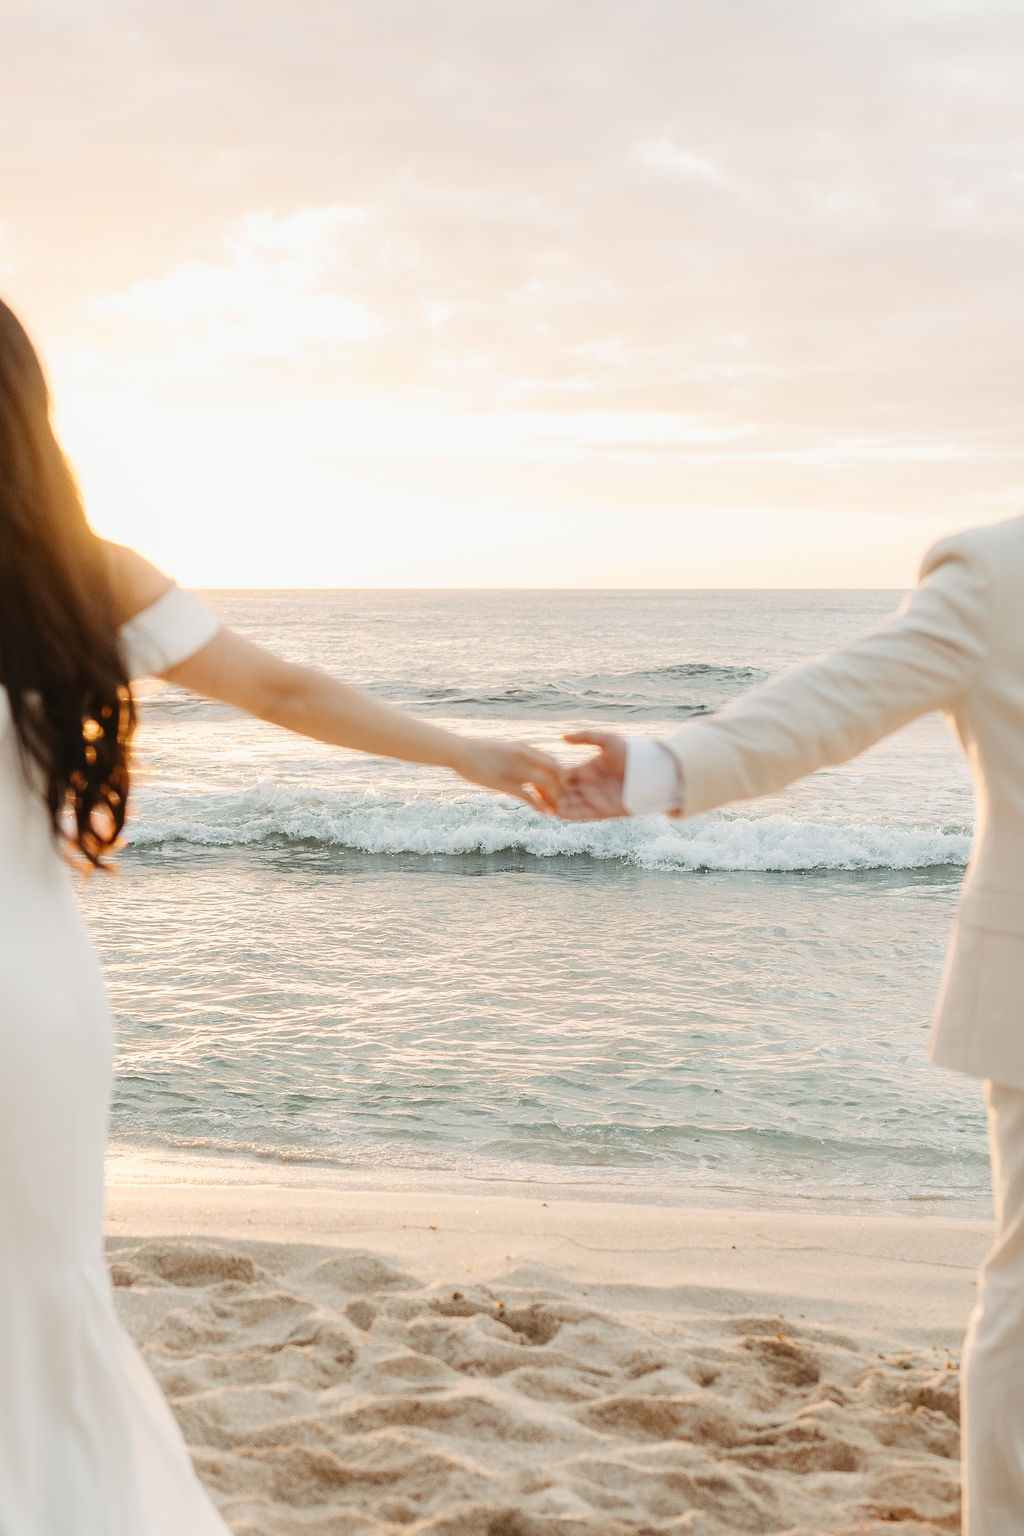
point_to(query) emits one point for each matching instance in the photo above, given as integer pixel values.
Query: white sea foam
(373, 823)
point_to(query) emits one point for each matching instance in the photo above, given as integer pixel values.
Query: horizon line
(206, 587)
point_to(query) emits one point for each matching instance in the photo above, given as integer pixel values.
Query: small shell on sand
(328, 1391)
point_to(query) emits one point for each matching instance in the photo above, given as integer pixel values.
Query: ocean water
(315, 957)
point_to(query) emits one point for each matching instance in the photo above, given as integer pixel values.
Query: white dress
(88, 1445)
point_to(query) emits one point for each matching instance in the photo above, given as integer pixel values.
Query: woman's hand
(512, 768)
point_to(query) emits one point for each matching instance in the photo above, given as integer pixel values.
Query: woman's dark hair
(70, 703)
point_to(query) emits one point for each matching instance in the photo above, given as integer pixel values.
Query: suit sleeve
(831, 709)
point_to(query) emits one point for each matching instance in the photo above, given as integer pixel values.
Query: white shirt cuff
(653, 780)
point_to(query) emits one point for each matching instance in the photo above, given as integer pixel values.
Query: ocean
(319, 958)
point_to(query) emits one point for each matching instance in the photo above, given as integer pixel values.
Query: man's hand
(593, 790)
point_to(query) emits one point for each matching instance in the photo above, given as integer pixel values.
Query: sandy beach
(385, 1356)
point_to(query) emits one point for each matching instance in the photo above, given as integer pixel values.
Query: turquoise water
(321, 958)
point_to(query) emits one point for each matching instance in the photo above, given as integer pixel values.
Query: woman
(88, 1447)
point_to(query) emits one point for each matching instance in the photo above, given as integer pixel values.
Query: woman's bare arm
(135, 582)
(311, 703)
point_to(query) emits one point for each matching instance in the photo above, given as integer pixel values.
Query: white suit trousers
(992, 1377)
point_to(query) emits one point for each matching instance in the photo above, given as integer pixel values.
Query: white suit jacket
(956, 645)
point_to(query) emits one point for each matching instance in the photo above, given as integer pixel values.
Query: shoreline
(129, 1165)
(908, 1273)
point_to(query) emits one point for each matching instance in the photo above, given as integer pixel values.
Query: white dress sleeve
(166, 633)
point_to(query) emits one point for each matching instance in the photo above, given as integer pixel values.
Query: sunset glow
(362, 319)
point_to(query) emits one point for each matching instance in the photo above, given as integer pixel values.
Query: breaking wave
(270, 814)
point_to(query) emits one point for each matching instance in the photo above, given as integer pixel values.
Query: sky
(557, 293)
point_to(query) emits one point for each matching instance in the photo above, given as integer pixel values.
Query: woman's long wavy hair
(70, 702)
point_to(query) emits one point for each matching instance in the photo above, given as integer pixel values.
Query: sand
(347, 1360)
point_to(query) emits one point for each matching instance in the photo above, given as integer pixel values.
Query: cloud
(663, 156)
(797, 226)
(266, 301)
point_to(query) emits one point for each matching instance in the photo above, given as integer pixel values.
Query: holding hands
(616, 780)
(590, 791)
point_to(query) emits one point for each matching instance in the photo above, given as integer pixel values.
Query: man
(957, 645)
